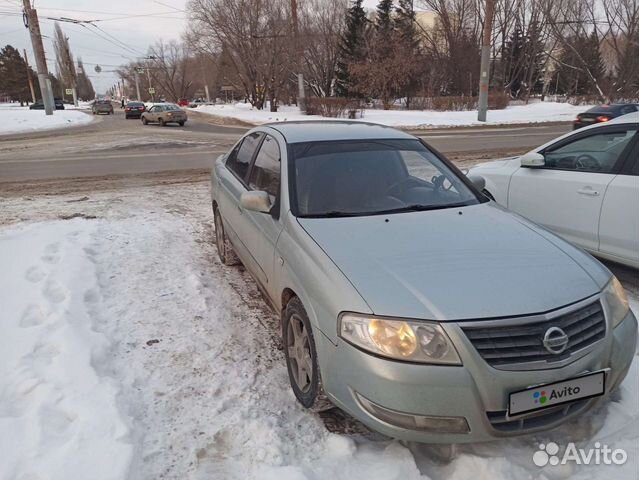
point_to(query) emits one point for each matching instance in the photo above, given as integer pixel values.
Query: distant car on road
(197, 102)
(134, 110)
(102, 106)
(183, 102)
(405, 297)
(59, 104)
(583, 186)
(164, 114)
(604, 113)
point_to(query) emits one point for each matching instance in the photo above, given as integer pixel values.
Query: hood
(461, 263)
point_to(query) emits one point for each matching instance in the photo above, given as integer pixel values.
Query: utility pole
(137, 84)
(38, 50)
(26, 61)
(148, 76)
(484, 72)
(299, 55)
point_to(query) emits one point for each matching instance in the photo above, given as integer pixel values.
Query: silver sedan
(409, 299)
(164, 113)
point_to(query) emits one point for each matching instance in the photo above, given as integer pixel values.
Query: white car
(583, 186)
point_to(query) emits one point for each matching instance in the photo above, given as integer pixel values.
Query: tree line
(398, 53)
(419, 54)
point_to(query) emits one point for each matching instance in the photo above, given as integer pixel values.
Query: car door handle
(588, 191)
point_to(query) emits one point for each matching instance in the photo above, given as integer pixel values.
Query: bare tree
(322, 24)
(621, 35)
(256, 36)
(171, 69)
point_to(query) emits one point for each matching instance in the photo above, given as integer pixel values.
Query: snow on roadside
(191, 354)
(58, 414)
(532, 113)
(16, 119)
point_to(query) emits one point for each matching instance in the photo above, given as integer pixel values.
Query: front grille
(501, 422)
(501, 346)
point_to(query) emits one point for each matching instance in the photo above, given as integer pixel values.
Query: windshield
(352, 178)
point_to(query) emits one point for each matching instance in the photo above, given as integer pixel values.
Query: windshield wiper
(407, 208)
(333, 214)
(418, 208)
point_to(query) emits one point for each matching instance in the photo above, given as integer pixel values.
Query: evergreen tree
(383, 20)
(409, 42)
(514, 61)
(13, 75)
(405, 22)
(534, 59)
(352, 47)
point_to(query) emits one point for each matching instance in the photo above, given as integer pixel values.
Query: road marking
(95, 157)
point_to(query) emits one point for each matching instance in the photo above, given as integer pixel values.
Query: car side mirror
(478, 181)
(532, 160)
(256, 201)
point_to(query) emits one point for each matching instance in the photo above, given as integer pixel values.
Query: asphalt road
(115, 146)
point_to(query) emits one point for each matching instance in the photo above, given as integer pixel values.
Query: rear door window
(240, 158)
(265, 174)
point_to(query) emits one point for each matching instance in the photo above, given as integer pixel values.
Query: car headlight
(412, 341)
(617, 301)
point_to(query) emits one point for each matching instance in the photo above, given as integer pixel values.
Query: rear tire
(224, 248)
(162, 124)
(301, 358)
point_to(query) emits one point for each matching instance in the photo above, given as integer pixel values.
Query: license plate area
(557, 393)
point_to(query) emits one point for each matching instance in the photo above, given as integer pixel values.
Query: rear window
(171, 107)
(135, 104)
(602, 109)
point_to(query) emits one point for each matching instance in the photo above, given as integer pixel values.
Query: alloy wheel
(299, 353)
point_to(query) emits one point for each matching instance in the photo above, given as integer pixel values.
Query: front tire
(145, 121)
(224, 248)
(301, 358)
(181, 124)
(162, 123)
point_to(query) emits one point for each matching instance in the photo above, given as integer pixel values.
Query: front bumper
(475, 391)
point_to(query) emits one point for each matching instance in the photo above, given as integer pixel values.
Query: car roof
(629, 118)
(324, 130)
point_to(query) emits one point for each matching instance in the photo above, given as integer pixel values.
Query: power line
(124, 45)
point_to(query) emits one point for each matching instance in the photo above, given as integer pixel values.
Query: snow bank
(533, 113)
(58, 414)
(16, 119)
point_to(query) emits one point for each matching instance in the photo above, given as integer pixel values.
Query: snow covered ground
(129, 352)
(17, 119)
(532, 113)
